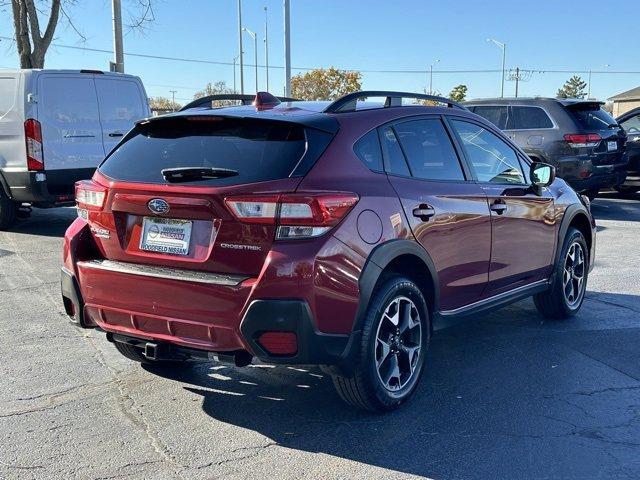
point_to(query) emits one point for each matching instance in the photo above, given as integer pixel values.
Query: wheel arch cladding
(576, 216)
(402, 257)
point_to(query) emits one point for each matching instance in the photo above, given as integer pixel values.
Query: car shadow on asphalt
(45, 222)
(615, 206)
(507, 395)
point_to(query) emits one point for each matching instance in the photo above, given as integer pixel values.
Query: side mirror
(542, 175)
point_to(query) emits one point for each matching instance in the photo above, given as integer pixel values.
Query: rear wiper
(191, 174)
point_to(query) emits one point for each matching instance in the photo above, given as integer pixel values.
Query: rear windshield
(591, 117)
(258, 150)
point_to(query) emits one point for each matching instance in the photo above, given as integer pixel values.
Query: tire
(8, 211)
(556, 303)
(627, 190)
(366, 388)
(136, 354)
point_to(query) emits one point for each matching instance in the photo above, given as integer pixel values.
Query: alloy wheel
(573, 275)
(398, 343)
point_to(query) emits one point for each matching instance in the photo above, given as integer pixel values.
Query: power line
(280, 67)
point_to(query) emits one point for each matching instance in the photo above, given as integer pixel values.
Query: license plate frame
(169, 236)
(612, 146)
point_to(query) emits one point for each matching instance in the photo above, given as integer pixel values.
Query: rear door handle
(116, 134)
(424, 212)
(499, 207)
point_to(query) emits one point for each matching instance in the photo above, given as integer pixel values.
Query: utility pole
(287, 49)
(118, 64)
(517, 79)
(266, 47)
(240, 46)
(431, 77)
(173, 100)
(254, 35)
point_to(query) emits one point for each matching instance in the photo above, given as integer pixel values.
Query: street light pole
(173, 100)
(503, 46)
(287, 49)
(589, 83)
(240, 46)
(431, 77)
(235, 60)
(255, 51)
(118, 52)
(266, 47)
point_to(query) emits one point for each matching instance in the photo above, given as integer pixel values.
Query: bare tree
(32, 44)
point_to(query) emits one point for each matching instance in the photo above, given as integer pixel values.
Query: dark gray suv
(578, 137)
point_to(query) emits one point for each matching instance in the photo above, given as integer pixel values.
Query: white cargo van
(56, 126)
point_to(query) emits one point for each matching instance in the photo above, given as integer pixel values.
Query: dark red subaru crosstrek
(333, 234)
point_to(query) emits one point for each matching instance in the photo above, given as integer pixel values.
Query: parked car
(630, 122)
(578, 137)
(315, 233)
(56, 126)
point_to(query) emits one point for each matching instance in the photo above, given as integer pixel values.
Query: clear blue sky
(364, 35)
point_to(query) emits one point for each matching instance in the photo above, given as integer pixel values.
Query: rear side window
(591, 117)
(259, 150)
(368, 151)
(7, 98)
(492, 159)
(529, 118)
(496, 114)
(394, 158)
(429, 151)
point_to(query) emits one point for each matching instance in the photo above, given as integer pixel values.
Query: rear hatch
(184, 218)
(593, 121)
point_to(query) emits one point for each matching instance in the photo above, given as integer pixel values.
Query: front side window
(632, 125)
(492, 159)
(429, 151)
(528, 118)
(496, 114)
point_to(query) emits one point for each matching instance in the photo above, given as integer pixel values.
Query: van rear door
(121, 102)
(68, 116)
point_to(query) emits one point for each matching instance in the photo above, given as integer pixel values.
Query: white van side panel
(12, 143)
(68, 115)
(121, 101)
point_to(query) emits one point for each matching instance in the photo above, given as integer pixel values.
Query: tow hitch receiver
(151, 350)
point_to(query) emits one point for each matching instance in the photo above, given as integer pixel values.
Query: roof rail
(348, 102)
(245, 99)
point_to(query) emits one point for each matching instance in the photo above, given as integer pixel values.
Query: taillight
(33, 136)
(90, 195)
(578, 140)
(296, 215)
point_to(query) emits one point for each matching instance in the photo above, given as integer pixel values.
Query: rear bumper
(583, 172)
(45, 189)
(297, 291)
(193, 339)
(599, 180)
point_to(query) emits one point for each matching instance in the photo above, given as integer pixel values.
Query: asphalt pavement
(505, 396)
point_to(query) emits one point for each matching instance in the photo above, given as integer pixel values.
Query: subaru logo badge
(158, 206)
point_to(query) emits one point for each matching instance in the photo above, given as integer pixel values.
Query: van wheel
(8, 211)
(136, 354)
(395, 339)
(566, 295)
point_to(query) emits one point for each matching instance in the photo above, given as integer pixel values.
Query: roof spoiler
(348, 102)
(205, 102)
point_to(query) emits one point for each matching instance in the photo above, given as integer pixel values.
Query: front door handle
(499, 207)
(116, 134)
(424, 212)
